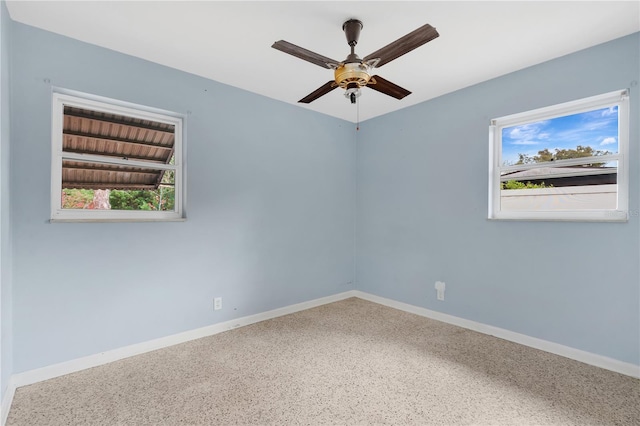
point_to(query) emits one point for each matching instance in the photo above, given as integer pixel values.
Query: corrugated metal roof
(557, 172)
(92, 132)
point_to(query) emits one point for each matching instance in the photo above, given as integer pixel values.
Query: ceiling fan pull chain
(357, 116)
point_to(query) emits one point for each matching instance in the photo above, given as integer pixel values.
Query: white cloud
(525, 142)
(528, 134)
(608, 141)
(609, 111)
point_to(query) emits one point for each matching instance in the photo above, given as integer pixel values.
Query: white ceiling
(230, 42)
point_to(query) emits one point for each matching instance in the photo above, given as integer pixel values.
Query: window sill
(97, 220)
(604, 217)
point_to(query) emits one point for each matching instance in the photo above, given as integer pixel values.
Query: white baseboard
(56, 370)
(543, 345)
(7, 399)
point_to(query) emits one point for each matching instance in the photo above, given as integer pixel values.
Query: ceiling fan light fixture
(352, 73)
(352, 94)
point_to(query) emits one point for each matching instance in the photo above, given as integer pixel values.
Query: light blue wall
(422, 176)
(6, 337)
(270, 210)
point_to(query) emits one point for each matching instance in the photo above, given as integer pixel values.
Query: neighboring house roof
(543, 173)
(92, 132)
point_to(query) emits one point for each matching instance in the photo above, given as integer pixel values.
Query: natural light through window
(115, 162)
(565, 162)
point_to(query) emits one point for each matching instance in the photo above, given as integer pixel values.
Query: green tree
(516, 184)
(132, 200)
(161, 198)
(166, 199)
(76, 198)
(563, 154)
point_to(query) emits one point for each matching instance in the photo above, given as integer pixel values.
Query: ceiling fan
(354, 73)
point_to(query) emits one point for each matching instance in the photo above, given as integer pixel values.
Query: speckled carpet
(351, 362)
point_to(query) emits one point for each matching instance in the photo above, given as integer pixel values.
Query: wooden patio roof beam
(113, 154)
(111, 169)
(114, 139)
(103, 185)
(116, 121)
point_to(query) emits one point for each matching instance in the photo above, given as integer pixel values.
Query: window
(564, 162)
(114, 161)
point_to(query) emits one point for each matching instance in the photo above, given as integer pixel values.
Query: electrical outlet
(217, 303)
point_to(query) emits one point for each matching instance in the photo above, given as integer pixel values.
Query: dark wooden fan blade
(403, 45)
(388, 88)
(302, 53)
(320, 91)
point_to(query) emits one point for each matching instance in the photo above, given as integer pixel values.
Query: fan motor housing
(350, 73)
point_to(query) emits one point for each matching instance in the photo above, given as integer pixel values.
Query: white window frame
(618, 98)
(62, 98)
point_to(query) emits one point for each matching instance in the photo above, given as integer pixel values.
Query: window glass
(569, 158)
(586, 134)
(115, 162)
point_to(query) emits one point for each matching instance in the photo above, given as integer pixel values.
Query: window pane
(97, 133)
(115, 161)
(560, 188)
(586, 134)
(102, 186)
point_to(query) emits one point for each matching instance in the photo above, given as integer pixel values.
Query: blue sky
(597, 128)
